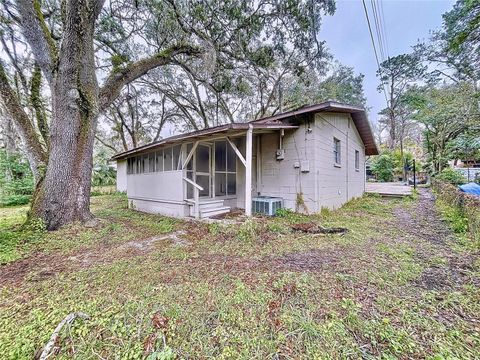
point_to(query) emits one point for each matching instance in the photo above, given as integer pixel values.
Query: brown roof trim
(358, 114)
(201, 133)
(274, 122)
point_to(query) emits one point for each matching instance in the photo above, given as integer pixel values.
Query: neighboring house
(310, 158)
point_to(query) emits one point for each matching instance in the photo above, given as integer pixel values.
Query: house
(308, 159)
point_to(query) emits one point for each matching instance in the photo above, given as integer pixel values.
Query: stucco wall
(280, 177)
(158, 192)
(122, 175)
(338, 184)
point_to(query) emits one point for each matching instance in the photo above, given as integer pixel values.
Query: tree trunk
(64, 195)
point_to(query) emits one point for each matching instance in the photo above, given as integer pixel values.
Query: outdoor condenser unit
(266, 205)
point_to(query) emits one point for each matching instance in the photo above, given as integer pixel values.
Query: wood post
(248, 171)
(196, 199)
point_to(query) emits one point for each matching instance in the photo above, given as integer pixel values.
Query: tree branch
(22, 122)
(38, 36)
(119, 78)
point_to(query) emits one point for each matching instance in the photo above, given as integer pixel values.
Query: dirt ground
(423, 222)
(397, 284)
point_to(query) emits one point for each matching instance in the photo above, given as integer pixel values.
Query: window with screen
(357, 160)
(225, 169)
(337, 151)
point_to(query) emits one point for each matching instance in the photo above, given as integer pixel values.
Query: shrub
(103, 175)
(451, 176)
(382, 167)
(461, 210)
(16, 180)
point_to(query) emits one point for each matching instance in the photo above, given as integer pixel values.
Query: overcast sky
(406, 21)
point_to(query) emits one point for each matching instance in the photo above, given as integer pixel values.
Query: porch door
(203, 166)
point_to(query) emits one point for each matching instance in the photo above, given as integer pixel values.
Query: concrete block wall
(122, 175)
(338, 184)
(157, 192)
(280, 177)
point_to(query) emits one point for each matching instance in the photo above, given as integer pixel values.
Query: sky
(406, 22)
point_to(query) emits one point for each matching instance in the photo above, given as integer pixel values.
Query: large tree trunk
(64, 195)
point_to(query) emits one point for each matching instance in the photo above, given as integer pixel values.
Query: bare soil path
(424, 222)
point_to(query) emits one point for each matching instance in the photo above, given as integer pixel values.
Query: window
(176, 156)
(167, 159)
(151, 162)
(336, 151)
(357, 160)
(225, 169)
(159, 160)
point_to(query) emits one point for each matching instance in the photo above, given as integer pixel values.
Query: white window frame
(337, 152)
(226, 171)
(357, 160)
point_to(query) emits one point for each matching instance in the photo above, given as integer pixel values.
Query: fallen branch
(67, 320)
(313, 228)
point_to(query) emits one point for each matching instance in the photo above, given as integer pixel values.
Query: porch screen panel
(203, 181)
(176, 156)
(151, 162)
(167, 159)
(189, 187)
(220, 184)
(190, 162)
(202, 162)
(225, 169)
(159, 158)
(231, 184)
(231, 159)
(220, 155)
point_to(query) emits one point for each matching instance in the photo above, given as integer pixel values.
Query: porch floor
(388, 189)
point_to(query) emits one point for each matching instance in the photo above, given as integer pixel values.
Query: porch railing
(196, 196)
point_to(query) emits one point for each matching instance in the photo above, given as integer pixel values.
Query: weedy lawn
(398, 284)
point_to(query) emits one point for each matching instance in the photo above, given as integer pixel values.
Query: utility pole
(414, 175)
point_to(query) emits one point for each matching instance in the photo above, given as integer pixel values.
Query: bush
(16, 180)
(451, 176)
(14, 200)
(103, 175)
(461, 210)
(382, 167)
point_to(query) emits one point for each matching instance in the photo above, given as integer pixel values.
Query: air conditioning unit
(266, 205)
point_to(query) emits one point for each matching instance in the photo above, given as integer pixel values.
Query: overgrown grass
(455, 218)
(244, 291)
(16, 238)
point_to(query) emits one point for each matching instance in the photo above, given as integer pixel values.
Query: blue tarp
(471, 188)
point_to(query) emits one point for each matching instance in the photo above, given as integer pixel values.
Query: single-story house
(307, 159)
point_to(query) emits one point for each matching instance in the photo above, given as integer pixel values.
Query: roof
(274, 122)
(227, 129)
(358, 114)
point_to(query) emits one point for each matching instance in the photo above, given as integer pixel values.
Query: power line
(378, 30)
(374, 47)
(384, 28)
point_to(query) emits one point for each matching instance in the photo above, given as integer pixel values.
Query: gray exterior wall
(157, 192)
(281, 178)
(310, 146)
(324, 185)
(122, 175)
(337, 185)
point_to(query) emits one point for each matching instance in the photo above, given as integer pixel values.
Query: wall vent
(266, 205)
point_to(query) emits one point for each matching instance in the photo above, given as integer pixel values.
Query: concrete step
(206, 205)
(211, 204)
(205, 213)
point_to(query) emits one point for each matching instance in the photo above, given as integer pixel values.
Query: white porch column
(248, 171)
